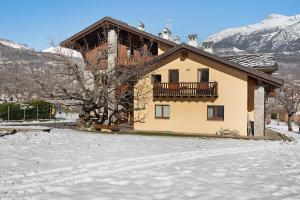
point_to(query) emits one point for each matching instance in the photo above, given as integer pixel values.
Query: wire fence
(32, 113)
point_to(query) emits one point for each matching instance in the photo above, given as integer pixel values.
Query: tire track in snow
(86, 173)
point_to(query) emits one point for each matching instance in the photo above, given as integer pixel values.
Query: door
(173, 75)
(203, 75)
(173, 79)
(173, 82)
(203, 82)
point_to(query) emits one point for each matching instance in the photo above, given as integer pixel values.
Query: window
(162, 111)
(156, 78)
(215, 113)
(173, 75)
(203, 75)
(128, 52)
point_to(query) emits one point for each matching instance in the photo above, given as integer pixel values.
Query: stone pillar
(112, 48)
(259, 110)
(112, 54)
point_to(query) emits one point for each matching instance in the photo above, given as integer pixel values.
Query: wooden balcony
(185, 90)
(132, 61)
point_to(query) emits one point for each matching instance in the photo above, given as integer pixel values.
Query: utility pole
(50, 110)
(37, 113)
(8, 113)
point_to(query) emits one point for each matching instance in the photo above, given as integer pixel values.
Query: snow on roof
(254, 60)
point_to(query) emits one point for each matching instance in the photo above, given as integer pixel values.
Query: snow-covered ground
(67, 164)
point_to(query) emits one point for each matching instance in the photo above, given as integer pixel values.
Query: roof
(254, 60)
(245, 63)
(250, 71)
(116, 23)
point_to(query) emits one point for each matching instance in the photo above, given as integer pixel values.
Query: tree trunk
(289, 123)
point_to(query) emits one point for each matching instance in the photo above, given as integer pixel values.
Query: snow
(234, 49)
(14, 45)
(64, 51)
(67, 164)
(24, 127)
(63, 117)
(291, 33)
(273, 21)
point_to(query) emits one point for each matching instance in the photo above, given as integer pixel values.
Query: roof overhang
(116, 23)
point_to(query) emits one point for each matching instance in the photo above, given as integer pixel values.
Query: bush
(273, 115)
(16, 113)
(227, 132)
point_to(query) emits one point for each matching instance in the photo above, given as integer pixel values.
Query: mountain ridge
(276, 33)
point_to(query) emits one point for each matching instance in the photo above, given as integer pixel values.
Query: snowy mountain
(64, 51)
(13, 54)
(12, 44)
(276, 33)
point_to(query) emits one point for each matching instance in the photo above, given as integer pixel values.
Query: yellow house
(187, 89)
(198, 92)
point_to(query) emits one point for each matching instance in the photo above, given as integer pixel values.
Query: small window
(156, 78)
(215, 113)
(203, 75)
(162, 111)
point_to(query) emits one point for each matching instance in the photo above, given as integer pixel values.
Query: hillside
(14, 54)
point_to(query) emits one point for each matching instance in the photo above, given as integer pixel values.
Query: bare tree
(15, 83)
(105, 93)
(288, 96)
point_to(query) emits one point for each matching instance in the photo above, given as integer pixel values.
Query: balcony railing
(185, 89)
(127, 61)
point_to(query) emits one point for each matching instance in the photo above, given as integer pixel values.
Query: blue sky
(36, 22)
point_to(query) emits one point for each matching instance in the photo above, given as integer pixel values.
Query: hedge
(16, 113)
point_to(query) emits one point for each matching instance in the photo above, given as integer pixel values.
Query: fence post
(8, 113)
(37, 113)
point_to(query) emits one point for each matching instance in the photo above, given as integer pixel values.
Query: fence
(13, 111)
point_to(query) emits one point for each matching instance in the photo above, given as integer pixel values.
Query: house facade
(186, 89)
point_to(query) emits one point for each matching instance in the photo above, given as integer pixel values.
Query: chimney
(193, 40)
(177, 39)
(166, 34)
(141, 26)
(208, 47)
